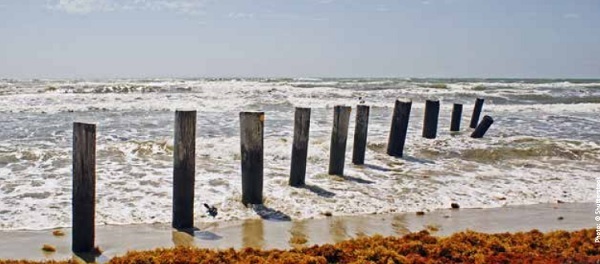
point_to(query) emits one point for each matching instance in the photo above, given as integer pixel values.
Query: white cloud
(89, 6)
(291, 16)
(78, 6)
(241, 15)
(382, 8)
(571, 16)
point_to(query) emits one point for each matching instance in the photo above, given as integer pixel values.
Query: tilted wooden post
(399, 128)
(430, 121)
(300, 146)
(251, 133)
(184, 169)
(339, 135)
(476, 112)
(84, 187)
(360, 134)
(486, 122)
(456, 115)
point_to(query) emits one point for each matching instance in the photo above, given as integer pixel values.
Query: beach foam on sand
(266, 234)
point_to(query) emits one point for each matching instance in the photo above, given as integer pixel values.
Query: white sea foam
(535, 152)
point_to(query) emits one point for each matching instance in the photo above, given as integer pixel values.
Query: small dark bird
(361, 100)
(212, 211)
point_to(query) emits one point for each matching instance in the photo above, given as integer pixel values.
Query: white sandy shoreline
(118, 239)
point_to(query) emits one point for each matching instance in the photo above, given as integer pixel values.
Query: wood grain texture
(456, 115)
(399, 128)
(184, 169)
(300, 146)
(430, 119)
(476, 112)
(251, 135)
(483, 127)
(339, 136)
(360, 134)
(84, 187)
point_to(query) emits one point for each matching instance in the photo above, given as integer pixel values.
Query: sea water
(543, 147)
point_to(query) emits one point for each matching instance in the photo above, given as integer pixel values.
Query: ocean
(543, 147)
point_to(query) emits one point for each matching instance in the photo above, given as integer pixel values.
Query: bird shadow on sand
(199, 234)
(206, 235)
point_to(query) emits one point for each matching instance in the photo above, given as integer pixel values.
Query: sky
(299, 38)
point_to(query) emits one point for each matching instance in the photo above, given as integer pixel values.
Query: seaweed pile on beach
(421, 247)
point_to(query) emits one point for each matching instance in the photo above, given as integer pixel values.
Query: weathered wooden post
(360, 134)
(339, 135)
(399, 128)
(84, 187)
(486, 122)
(456, 115)
(184, 169)
(251, 134)
(430, 120)
(300, 146)
(476, 112)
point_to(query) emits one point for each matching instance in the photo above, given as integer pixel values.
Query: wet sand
(267, 234)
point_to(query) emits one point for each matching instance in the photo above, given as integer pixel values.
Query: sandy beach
(115, 240)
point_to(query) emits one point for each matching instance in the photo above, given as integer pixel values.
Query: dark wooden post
(476, 112)
(339, 135)
(300, 146)
(184, 169)
(84, 187)
(430, 121)
(456, 115)
(251, 133)
(399, 128)
(360, 134)
(486, 122)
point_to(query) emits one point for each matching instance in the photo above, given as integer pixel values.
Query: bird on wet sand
(212, 211)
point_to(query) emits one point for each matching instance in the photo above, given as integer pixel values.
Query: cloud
(78, 6)
(382, 8)
(326, 1)
(89, 6)
(571, 16)
(291, 16)
(235, 15)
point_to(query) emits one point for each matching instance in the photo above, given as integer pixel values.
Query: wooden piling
(430, 120)
(251, 134)
(486, 122)
(184, 169)
(300, 146)
(360, 134)
(476, 112)
(456, 115)
(84, 187)
(339, 135)
(399, 128)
